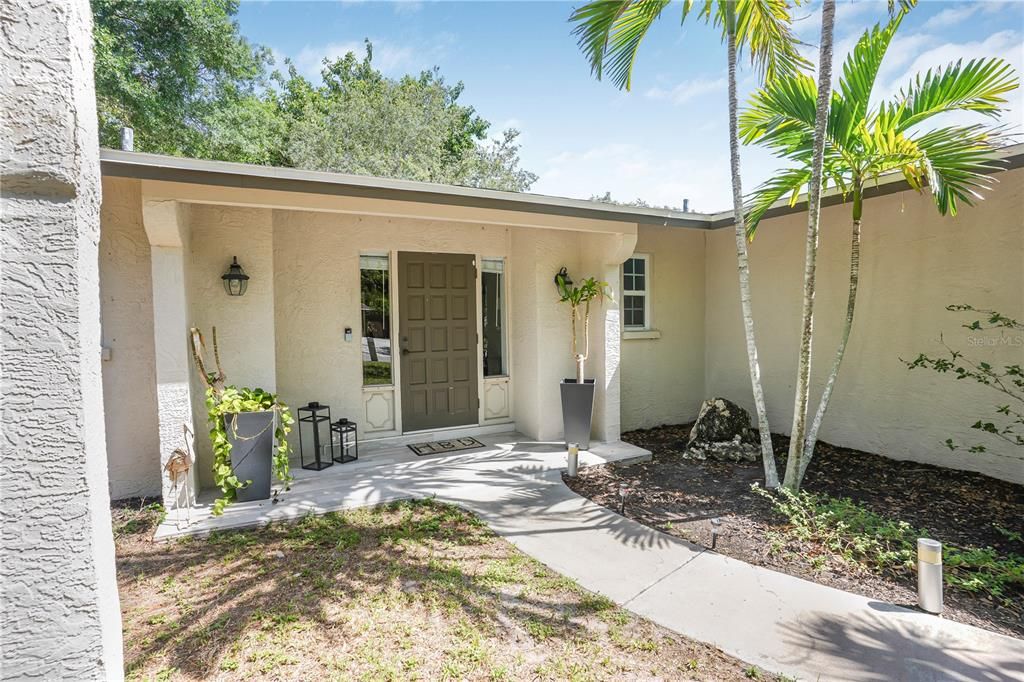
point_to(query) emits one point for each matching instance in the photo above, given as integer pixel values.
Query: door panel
(437, 337)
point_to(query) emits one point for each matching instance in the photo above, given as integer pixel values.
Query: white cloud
(390, 58)
(951, 16)
(687, 90)
(630, 171)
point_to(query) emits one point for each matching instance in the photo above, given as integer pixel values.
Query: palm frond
(978, 85)
(860, 70)
(764, 28)
(780, 112)
(609, 33)
(959, 160)
(786, 182)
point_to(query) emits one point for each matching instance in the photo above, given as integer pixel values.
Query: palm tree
(609, 33)
(821, 113)
(864, 143)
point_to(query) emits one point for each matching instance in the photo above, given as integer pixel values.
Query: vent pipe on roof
(127, 139)
(686, 205)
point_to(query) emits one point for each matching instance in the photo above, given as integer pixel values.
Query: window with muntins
(636, 293)
(375, 300)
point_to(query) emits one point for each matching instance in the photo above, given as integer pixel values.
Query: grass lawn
(413, 590)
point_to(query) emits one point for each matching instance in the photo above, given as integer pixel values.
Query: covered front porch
(390, 471)
(409, 309)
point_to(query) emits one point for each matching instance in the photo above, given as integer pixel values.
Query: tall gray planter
(577, 411)
(252, 452)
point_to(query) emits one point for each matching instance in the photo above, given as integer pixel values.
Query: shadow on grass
(215, 592)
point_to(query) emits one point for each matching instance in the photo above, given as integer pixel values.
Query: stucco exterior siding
(913, 264)
(129, 372)
(663, 377)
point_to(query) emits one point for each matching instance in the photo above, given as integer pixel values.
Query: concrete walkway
(781, 623)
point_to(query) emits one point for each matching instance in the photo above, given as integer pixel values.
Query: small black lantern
(311, 418)
(235, 279)
(562, 279)
(348, 439)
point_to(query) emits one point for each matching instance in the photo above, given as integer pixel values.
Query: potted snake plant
(248, 430)
(578, 393)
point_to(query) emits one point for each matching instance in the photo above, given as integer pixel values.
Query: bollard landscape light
(929, 575)
(716, 528)
(574, 459)
(623, 491)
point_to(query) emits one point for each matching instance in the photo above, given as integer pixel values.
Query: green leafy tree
(185, 79)
(413, 128)
(166, 69)
(610, 32)
(865, 142)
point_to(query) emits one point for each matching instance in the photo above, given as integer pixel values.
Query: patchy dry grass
(414, 590)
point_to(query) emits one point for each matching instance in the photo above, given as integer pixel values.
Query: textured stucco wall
(245, 324)
(61, 617)
(913, 264)
(129, 376)
(663, 378)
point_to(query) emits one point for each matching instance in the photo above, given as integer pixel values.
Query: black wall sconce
(235, 279)
(562, 278)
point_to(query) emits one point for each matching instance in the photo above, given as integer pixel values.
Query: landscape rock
(722, 431)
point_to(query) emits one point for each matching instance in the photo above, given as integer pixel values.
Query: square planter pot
(577, 411)
(252, 452)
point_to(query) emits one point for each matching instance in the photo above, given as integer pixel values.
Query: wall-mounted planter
(252, 452)
(577, 411)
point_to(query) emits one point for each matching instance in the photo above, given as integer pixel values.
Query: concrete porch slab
(387, 472)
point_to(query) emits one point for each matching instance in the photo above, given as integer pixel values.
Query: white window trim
(629, 331)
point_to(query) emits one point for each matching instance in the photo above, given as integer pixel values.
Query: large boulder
(722, 431)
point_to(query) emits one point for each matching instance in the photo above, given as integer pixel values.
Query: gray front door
(437, 338)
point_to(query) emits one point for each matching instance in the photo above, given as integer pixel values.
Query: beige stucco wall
(245, 324)
(129, 375)
(663, 378)
(914, 263)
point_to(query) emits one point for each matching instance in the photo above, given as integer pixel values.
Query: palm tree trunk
(803, 378)
(851, 303)
(771, 474)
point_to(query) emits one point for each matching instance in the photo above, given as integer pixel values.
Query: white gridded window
(636, 293)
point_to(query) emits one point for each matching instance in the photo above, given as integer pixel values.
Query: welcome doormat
(436, 447)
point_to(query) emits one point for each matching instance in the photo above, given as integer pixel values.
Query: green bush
(859, 535)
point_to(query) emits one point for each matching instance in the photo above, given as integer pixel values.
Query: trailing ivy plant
(232, 401)
(223, 401)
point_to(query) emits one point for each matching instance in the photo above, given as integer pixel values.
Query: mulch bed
(679, 496)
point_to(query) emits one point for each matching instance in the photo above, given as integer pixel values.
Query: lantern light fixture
(562, 278)
(235, 280)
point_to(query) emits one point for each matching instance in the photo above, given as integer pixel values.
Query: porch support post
(61, 617)
(166, 226)
(608, 252)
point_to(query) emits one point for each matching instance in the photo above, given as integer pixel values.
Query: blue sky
(664, 140)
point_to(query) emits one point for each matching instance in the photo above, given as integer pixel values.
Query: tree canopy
(185, 79)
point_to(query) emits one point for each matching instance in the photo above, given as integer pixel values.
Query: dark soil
(679, 496)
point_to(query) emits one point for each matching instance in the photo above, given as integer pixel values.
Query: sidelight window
(375, 299)
(492, 293)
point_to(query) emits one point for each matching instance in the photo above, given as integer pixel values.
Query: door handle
(405, 351)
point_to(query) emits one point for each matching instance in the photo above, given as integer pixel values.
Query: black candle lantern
(312, 418)
(348, 439)
(235, 280)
